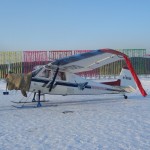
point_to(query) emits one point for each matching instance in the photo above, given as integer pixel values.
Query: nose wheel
(125, 96)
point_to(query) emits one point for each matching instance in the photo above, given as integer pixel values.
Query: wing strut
(54, 78)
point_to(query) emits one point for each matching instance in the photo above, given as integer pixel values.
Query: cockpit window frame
(36, 73)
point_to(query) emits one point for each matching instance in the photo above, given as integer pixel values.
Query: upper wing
(88, 61)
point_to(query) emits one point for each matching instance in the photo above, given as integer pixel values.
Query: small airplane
(59, 77)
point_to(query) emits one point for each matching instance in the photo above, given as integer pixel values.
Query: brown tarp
(19, 82)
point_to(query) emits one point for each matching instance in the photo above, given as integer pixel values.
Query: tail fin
(127, 80)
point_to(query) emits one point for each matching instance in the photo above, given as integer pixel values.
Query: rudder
(127, 78)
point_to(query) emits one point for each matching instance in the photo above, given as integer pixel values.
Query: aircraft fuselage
(73, 85)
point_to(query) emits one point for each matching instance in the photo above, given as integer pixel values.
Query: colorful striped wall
(25, 61)
(14, 59)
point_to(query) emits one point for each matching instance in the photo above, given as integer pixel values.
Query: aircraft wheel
(125, 97)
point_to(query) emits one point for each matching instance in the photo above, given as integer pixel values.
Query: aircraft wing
(88, 61)
(94, 59)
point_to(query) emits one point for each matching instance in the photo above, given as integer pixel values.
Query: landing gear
(37, 98)
(33, 100)
(125, 97)
(39, 94)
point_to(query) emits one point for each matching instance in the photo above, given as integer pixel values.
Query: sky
(74, 24)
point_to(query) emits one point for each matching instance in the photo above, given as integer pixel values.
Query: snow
(76, 122)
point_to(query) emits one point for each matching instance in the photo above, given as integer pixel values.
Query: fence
(25, 61)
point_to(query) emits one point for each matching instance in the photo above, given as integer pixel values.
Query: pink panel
(34, 58)
(53, 55)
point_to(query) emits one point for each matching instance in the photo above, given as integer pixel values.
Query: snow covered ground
(105, 122)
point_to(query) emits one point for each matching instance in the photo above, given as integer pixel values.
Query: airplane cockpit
(43, 72)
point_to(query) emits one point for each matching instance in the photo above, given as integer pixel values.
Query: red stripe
(114, 83)
(143, 92)
(136, 79)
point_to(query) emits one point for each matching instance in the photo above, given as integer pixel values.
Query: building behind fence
(25, 61)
